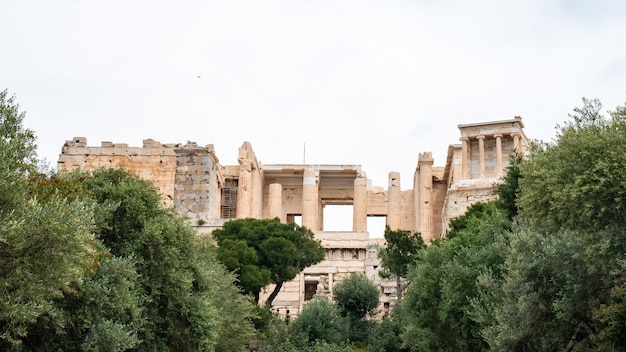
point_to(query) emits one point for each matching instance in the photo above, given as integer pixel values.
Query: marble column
(516, 143)
(498, 154)
(359, 206)
(244, 190)
(425, 190)
(275, 201)
(481, 155)
(310, 200)
(394, 198)
(465, 158)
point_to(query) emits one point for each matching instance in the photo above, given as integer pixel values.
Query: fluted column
(394, 197)
(310, 199)
(244, 190)
(425, 182)
(498, 154)
(465, 157)
(359, 206)
(481, 156)
(275, 201)
(516, 143)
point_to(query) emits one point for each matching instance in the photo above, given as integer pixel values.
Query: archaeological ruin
(191, 179)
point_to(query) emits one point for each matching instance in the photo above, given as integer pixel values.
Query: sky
(372, 83)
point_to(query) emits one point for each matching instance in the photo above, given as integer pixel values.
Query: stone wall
(187, 176)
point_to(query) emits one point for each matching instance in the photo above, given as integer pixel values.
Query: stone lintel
(516, 119)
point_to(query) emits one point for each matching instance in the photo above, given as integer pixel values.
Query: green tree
(558, 289)
(45, 247)
(611, 317)
(17, 153)
(385, 336)
(264, 251)
(436, 311)
(321, 321)
(473, 217)
(190, 296)
(508, 190)
(356, 297)
(103, 313)
(578, 181)
(547, 293)
(400, 252)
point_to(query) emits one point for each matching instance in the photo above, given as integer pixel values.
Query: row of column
(311, 202)
(311, 206)
(465, 154)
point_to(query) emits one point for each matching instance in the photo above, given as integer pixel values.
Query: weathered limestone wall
(291, 189)
(154, 161)
(407, 210)
(439, 196)
(187, 176)
(376, 201)
(196, 190)
(424, 196)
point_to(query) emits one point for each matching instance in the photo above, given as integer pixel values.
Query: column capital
(498, 135)
(480, 137)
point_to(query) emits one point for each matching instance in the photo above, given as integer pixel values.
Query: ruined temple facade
(191, 179)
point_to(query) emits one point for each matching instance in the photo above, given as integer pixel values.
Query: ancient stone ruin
(191, 179)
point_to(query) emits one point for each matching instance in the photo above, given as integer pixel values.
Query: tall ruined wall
(154, 161)
(250, 189)
(187, 176)
(197, 182)
(440, 189)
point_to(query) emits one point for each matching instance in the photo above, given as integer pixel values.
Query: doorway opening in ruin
(337, 217)
(294, 218)
(310, 287)
(376, 226)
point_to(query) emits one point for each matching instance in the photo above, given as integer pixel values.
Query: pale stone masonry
(191, 178)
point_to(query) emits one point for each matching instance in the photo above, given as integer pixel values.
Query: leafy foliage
(611, 316)
(320, 319)
(356, 295)
(508, 190)
(549, 289)
(190, 297)
(579, 182)
(292, 338)
(472, 218)
(385, 337)
(436, 310)
(266, 251)
(44, 247)
(17, 153)
(400, 252)
(557, 289)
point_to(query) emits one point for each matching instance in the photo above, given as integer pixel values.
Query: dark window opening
(310, 288)
(229, 198)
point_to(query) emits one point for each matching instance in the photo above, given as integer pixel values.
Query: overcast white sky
(360, 82)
